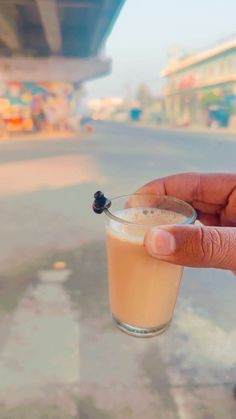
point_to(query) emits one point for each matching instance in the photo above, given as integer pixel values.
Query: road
(46, 191)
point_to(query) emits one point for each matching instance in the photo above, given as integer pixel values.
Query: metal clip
(100, 202)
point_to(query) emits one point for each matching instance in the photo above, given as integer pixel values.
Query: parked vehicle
(218, 117)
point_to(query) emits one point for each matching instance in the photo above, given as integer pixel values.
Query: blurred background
(108, 94)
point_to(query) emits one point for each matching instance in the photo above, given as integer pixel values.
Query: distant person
(38, 114)
(212, 244)
(86, 124)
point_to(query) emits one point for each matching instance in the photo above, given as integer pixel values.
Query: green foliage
(144, 96)
(211, 98)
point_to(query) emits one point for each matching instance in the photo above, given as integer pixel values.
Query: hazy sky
(147, 29)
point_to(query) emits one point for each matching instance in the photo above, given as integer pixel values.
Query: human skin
(209, 244)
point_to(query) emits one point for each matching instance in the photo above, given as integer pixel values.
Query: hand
(213, 245)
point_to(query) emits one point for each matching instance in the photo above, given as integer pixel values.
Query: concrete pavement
(45, 206)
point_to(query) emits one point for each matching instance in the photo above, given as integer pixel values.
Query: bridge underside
(47, 49)
(69, 28)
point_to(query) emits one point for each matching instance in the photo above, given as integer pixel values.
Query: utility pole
(128, 95)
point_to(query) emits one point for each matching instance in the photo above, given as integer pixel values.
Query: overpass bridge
(48, 48)
(55, 39)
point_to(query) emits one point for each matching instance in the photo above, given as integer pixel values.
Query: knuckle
(206, 244)
(210, 247)
(194, 244)
(213, 247)
(216, 248)
(197, 187)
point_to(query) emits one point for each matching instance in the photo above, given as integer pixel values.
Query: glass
(142, 289)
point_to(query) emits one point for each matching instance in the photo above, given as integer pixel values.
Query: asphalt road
(46, 189)
(43, 183)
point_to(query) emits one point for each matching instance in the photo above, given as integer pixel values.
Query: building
(199, 85)
(106, 107)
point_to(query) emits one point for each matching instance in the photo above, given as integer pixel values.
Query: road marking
(42, 349)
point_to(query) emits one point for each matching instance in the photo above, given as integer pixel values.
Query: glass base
(140, 332)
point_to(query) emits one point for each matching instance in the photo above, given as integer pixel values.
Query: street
(60, 355)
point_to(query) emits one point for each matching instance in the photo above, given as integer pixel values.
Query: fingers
(213, 189)
(194, 246)
(206, 207)
(209, 219)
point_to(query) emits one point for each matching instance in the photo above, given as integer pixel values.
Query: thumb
(195, 246)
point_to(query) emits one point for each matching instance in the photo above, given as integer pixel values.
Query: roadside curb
(191, 130)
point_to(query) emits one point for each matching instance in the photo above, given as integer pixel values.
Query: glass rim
(189, 220)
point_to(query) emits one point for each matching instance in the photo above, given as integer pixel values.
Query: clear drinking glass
(142, 289)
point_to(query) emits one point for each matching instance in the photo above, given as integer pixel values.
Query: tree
(211, 98)
(144, 96)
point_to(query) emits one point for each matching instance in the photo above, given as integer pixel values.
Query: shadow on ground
(89, 410)
(33, 411)
(87, 285)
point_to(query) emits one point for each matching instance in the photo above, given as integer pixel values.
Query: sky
(147, 30)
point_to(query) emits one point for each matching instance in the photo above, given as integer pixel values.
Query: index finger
(211, 189)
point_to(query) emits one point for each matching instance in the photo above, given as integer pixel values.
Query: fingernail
(160, 242)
